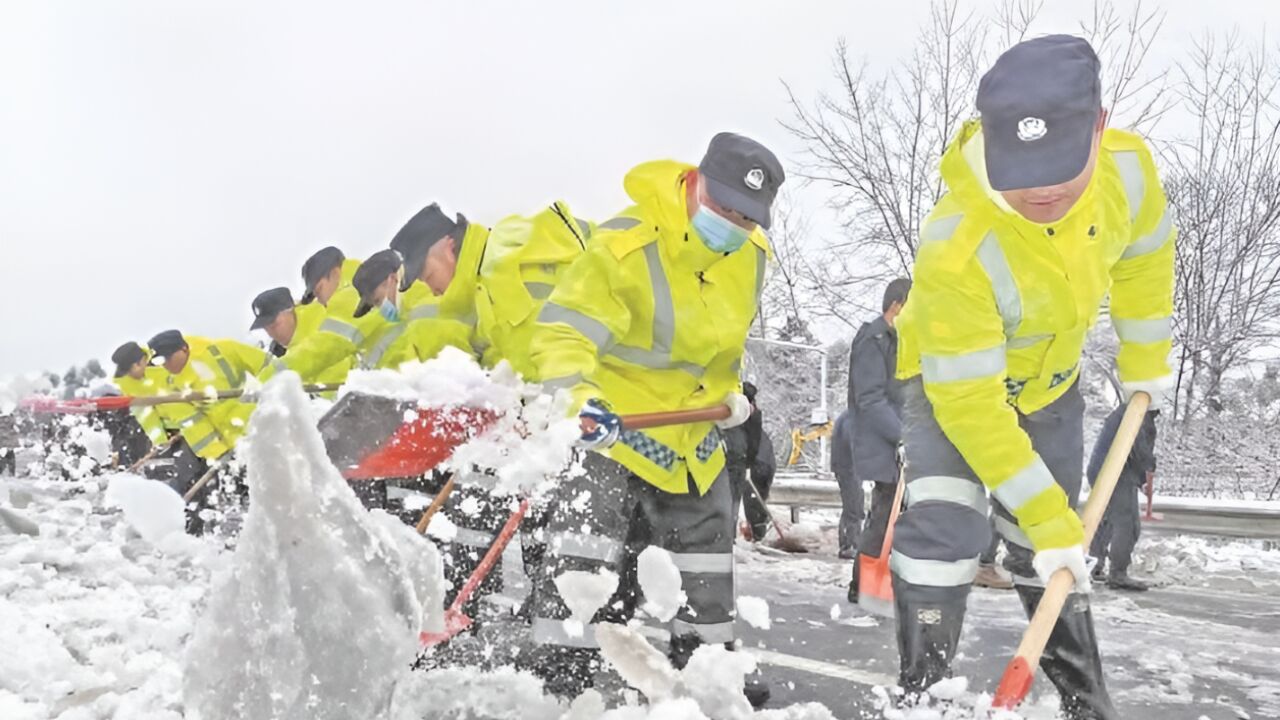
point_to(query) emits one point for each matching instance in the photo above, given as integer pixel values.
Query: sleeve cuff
(1156, 388)
(1064, 530)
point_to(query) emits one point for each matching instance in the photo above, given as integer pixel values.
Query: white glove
(1156, 388)
(739, 411)
(1047, 562)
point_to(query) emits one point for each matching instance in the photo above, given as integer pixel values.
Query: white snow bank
(451, 378)
(661, 583)
(755, 611)
(1190, 559)
(150, 507)
(318, 615)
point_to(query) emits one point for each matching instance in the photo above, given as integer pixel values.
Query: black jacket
(875, 401)
(1142, 458)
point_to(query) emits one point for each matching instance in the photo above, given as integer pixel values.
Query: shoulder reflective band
(1143, 331)
(933, 573)
(711, 633)
(234, 379)
(584, 228)
(1025, 485)
(619, 223)
(1005, 288)
(1130, 167)
(590, 328)
(426, 311)
(1152, 241)
(664, 314)
(762, 262)
(342, 329)
(374, 356)
(941, 228)
(969, 366)
(943, 488)
(539, 290)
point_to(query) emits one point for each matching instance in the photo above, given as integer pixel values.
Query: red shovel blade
(455, 621)
(1014, 686)
(420, 444)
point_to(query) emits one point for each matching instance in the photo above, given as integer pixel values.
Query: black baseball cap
(321, 263)
(269, 304)
(742, 175)
(371, 274)
(166, 343)
(126, 356)
(1039, 104)
(427, 227)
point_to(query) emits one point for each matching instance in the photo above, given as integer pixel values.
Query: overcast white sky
(163, 161)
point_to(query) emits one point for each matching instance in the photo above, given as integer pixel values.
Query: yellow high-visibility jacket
(212, 429)
(310, 317)
(341, 338)
(423, 331)
(1000, 306)
(523, 261)
(648, 319)
(150, 418)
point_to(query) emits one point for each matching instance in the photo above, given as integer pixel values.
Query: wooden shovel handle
(642, 421)
(435, 506)
(1020, 673)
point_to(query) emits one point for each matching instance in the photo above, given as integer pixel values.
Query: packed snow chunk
(450, 378)
(639, 663)
(715, 677)
(950, 688)
(661, 583)
(150, 507)
(319, 613)
(584, 593)
(755, 611)
(458, 693)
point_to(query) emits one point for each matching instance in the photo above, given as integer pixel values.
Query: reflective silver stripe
(1012, 533)
(1152, 241)
(704, 563)
(590, 547)
(1143, 331)
(654, 360)
(717, 633)
(664, 313)
(425, 311)
(539, 290)
(947, 489)
(940, 228)
(584, 228)
(762, 263)
(479, 480)
(473, 538)
(552, 632)
(233, 378)
(1130, 167)
(1025, 485)
(969, 366)
(562, 383)
(1008, 299)
(619, 223)
(205, 441)
(371, 359)
(934, 573)
(592, 329)
(346, 330)
(1026, 342)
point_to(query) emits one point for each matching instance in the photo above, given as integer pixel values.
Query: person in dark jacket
(762, 472)
(1121, 524)
(852, 499)
(743, 445)
(875, 408)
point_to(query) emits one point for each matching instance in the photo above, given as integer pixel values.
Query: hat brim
(413, 267)
(307, 297)
(732, 199)
(122, 370)
(1056, 158)
(262, 321)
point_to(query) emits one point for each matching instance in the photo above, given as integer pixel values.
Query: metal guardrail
(1201, 516)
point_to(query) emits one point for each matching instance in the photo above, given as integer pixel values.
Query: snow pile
(584, 593)
(465, 693)
(1189, 559)
(318, 616)
(451, 378)
(660, 582)
(950, 699)
(151, 508)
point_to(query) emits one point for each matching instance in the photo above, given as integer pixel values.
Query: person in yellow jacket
(654, 317)
(324, 273)
(1047, 213)
(288, 324)
(137, 378)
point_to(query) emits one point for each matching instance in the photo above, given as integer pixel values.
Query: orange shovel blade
(455, 621)
(1014, 686)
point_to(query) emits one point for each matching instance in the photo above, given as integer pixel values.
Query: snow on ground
(661, 583)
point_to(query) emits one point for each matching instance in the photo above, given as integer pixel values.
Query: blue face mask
(717, 232)
(389, 310)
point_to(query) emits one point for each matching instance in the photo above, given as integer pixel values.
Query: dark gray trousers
(622, 516)
(1120, 528)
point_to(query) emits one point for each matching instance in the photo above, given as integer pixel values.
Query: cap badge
(1031, 129)
(754, 179)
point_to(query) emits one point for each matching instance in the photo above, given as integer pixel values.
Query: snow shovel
(783, 542)
(455, 620)
(875, 581)
(1021, 671)
(80, 406)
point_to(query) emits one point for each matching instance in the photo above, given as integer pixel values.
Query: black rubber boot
(853, 582)
(1120, 580)
(754, 686)
(1099, 573)
(1071, 658)
(929, 623)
